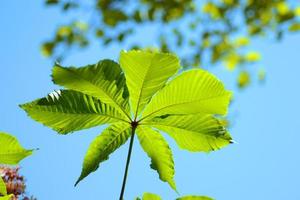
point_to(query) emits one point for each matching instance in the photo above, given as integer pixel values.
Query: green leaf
(104, 145)
(194, 198)
(194, 91)
(150, 196)
(7, 197)
(146, 72)
(11, 152)
(160, 153)
(195, 133)
(2, 187)
(104, 80)
(67, 111)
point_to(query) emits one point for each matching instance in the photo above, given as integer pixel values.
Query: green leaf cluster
(206, 30)
(144, 93)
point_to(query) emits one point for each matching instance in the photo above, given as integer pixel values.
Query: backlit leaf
(104, 80)
(2, 187)
(67, 111)
(150, 196)
(104, 145)
(7, 197)
(194, 91)
(11, 151)
(192, 197)
(194, 132)
(146, 72)
(160, 153)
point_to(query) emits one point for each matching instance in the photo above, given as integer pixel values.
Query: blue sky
(263, 165)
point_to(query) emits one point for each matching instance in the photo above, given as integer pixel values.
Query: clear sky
(264, 165)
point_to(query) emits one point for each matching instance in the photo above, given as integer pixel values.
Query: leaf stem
(134, 125)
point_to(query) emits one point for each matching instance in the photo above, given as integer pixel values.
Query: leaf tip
(22, 106)
(78, 180)
(173, 186)
(233, 142)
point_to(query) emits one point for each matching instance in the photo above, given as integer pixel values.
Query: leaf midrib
(141, 91)
(97, 114)
(187, 102)
(179, 128)
(111, 141)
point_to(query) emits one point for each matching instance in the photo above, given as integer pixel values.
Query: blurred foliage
(204, 33)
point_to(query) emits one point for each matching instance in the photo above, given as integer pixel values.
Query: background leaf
(11, 152)
(150, 196)
(194, 198)
(2, 187)
(7, 197)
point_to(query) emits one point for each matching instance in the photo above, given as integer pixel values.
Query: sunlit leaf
(242, 41)
(2, 187)
(103, 80)
(253, 56)
(243, 79)
(160, 153)
(194, 91)
(231, 61)
(67, 111)
(183, 106)
(7, 197)
(11, 151)
(282, 8)
(150, 196)
(104, 145)
(47, 49)
(193, 197)
(294, 27)
(297, 11)
(146, 72)
(64, 31)
(194, 132)
(228, 2)
(211, 9)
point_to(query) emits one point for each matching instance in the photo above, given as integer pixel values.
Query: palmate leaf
(66, 111)
(160, 153)
(2, 187)
(105, 144)
(146, 73)
(199, 132)
(104, 80)
(143, 97)
(192, 92)
(11, 152)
